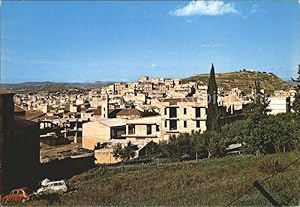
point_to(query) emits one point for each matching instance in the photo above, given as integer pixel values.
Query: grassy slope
(208, 182)
(243, 80)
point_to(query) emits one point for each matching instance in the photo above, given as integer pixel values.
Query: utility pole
(257, 185)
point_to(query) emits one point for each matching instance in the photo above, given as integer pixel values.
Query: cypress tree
(212, 122)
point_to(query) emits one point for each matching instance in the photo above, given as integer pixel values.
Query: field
(206, 182)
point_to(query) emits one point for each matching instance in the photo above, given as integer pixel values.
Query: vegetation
(209, 181)
(184, 146)
(296, 104)
(124, 153)
(243, 80)
(213, 182)
(213, 116)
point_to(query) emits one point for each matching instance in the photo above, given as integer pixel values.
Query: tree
(284, 128)
(233, 132)
(124, 153)
(256, 113)
(296, 103)
(214, 143)
(213, 116)
(184, 145)
(257, 110)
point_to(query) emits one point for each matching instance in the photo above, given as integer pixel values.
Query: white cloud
(205, 7)
(299, 1)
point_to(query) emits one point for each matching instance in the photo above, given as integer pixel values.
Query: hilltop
(51, 86)
(214, 182)
(243, 80)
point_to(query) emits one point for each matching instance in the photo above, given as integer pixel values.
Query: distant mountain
(51, 86)
(243, 80)
(291, 83)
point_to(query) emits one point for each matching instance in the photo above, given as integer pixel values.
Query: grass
(207, 182)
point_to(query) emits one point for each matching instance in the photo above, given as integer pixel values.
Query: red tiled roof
(129, 112)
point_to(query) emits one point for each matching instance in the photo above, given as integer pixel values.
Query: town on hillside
(150, 103)
(77, 129)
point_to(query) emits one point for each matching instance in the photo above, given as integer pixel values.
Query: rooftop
(113, 122)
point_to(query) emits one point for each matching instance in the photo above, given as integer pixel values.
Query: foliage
(124, 153)
(296, 103)
(273, 134)
(232, 132)
(213, 115)
(183, 145)
(214, 143)
(256, 136)
(193, 145)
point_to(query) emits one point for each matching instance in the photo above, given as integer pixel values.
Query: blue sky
(122, 40)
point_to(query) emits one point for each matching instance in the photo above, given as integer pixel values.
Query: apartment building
(279, 104)
(182, 115)
(143, 130)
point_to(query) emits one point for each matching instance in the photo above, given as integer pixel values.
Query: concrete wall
(93, 133)
(105, 156)
(278, 105)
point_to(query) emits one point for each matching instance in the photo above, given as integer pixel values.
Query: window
(198, 114)
(165, 111)
(184, 124)
(157, 128)
(198, 123)
(184, 111)
(166, 124)
(131, 129)
(117, 132)
(173, 124)
(149, 129)
(173, 112)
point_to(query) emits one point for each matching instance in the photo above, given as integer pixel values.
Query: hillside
(50, 86)
(243, 80)
(207, 182)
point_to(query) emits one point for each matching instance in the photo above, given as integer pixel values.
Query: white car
(50, 187)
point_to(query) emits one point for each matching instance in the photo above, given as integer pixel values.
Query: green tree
(296, 103)
(256, 113)
(190, 145)
(283, 131)
(214, 143)
(233, 132)
(257, 110)
(213, 116)
(124, 153)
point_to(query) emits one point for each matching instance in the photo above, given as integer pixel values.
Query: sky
(87, 41)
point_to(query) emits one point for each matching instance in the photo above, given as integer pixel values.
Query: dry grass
(208, 182)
